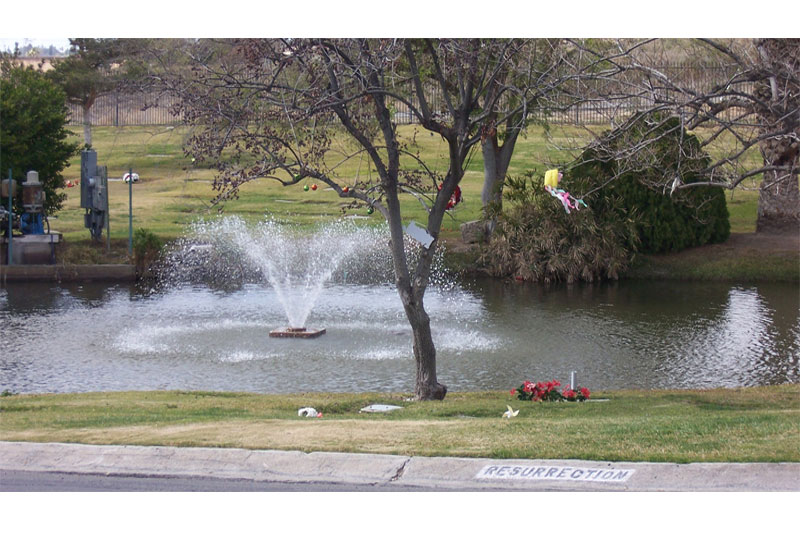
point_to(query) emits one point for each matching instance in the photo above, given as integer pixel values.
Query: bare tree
(280, 109)
(748, 122)
(540, 78)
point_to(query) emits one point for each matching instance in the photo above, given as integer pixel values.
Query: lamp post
(130, 211)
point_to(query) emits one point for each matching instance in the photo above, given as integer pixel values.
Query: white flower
(510, 413)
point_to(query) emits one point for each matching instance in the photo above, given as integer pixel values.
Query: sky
(7, 43)
(409, 18)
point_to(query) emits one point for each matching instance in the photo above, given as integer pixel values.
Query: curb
(16, 273)
(398, 471)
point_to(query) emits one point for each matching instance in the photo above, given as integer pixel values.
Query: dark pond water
(489, 335)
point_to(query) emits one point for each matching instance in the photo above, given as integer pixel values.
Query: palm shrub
(665, 222)
(537, 240)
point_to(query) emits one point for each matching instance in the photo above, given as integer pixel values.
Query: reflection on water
(489, 335)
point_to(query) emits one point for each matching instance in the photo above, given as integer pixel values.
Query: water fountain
(296, 333)
(297, 265)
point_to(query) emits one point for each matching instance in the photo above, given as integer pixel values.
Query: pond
(489, 335)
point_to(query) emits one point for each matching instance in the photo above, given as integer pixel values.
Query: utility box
(33, 196)
(94, 193)
(88, 170)
(100, 190)
(4, 187)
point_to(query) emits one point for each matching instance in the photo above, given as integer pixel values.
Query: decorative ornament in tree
(455, 198)
(551, 179)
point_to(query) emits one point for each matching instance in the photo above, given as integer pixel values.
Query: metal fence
(583, 107)
(127, 109)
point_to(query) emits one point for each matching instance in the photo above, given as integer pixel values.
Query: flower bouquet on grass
(548, 392)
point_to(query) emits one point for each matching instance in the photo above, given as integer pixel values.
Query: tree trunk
(778, 197)
(492, 180)
(778, 97)
(496, 160)
(412, 295)
(492, 193)
(426, 387)
(87, 125)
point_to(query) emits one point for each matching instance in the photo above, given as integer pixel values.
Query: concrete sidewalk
(399, 471)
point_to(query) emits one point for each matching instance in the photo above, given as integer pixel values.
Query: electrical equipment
(94, 193)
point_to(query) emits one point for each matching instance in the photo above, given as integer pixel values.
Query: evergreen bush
(665, 222)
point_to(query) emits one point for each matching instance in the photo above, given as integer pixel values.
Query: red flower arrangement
(548, 392)
(581, 395)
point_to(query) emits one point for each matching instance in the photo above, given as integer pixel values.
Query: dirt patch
(763, 242)
(743, 245)
(374, 436)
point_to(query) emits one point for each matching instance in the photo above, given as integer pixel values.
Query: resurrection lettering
(560, 473)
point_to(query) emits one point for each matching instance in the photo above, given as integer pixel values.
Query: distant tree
(33, 134)
(94, 67)
(665, 222)
(509, 103)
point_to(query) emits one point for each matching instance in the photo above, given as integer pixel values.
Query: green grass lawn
(759, 424)
(172, 192)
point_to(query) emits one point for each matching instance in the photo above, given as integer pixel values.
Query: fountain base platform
(297, 333)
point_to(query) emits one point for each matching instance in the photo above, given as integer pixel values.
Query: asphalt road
(22, 481)
(26, 481)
